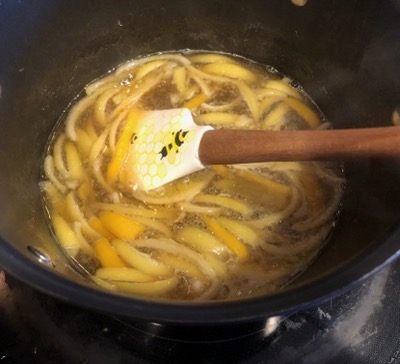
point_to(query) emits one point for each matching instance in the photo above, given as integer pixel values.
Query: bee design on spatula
(161, 142)
(172, 143)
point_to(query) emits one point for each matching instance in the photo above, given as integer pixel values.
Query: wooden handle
(229, 146)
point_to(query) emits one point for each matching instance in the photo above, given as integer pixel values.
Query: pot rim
(224, 312)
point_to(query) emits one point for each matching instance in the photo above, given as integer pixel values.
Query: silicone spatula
(168, 144)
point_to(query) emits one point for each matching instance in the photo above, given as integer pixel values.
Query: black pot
(346, 54)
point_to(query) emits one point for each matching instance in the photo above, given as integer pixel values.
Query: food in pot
(225, 232)
(299, 2)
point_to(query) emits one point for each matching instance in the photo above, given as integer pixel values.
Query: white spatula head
(164, 147)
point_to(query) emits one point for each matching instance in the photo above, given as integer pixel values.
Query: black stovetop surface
(360, 326)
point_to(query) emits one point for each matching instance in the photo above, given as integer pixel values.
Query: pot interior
(345, 55)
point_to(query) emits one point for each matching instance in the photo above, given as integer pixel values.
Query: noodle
(50, 173)
(58, 159)
(221, 233)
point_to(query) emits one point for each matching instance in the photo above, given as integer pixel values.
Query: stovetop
(360, 326)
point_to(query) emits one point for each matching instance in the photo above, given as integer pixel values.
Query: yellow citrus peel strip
(227, 238)
(107, 255)
(122, 146)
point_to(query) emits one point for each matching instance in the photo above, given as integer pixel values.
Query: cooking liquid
(221, 233)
